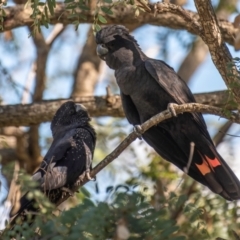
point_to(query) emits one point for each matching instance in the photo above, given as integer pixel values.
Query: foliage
(99, 221)
(178, 214)
(42, 11)
(233, 70)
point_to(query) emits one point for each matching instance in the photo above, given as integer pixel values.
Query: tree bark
(87, 71)
(18, 16)
(98, 106)
(194, 58)
(212, 36)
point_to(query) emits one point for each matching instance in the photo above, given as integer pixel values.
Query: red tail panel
(213, 162)
(203, 168)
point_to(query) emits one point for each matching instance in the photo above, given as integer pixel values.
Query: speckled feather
(66, 158)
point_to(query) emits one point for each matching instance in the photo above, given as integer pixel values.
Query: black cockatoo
(147, 86)
(69, 156)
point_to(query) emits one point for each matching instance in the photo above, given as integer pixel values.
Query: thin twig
(12, 203)
(218, 138)
(230, 135)
(186, 169)
(188, 107)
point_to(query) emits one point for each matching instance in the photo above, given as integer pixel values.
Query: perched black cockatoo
(147, 86)
(69, 156)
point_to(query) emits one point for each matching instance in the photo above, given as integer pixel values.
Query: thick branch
(189, 107)
(17, 16)
(193, 60)
(87, 71)
(212, 36)
(30, 114)
(199, 49)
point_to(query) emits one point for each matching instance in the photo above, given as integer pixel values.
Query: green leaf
(84, 7)
(53, 3)
(82, 16)
(102, 19)
(181, 200)
(83, 189)
(179, 238)
(108, 1)
(50, 7)
(167, 232)
(71, 6)
(97, 27)
(74, 15)
(3, 13)
(68, 1)
(107, 10)
(172, 195)
(46, 13)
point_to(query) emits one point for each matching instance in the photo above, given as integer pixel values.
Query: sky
(19, 56)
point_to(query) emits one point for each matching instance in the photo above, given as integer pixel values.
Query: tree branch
(58, 29)
(212, 36)
(199, 49)
(218, 138)
(171, 16)
(98, 106)
(188, 107)
(193, 60)
(88, 67)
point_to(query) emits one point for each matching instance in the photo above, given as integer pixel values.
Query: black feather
(147, 86)
(66, 158)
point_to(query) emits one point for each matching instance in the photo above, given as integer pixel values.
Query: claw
(88, 176)
(138, 130)
(170, 108)
(66, 190)
(80, 179)
(84, 175)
